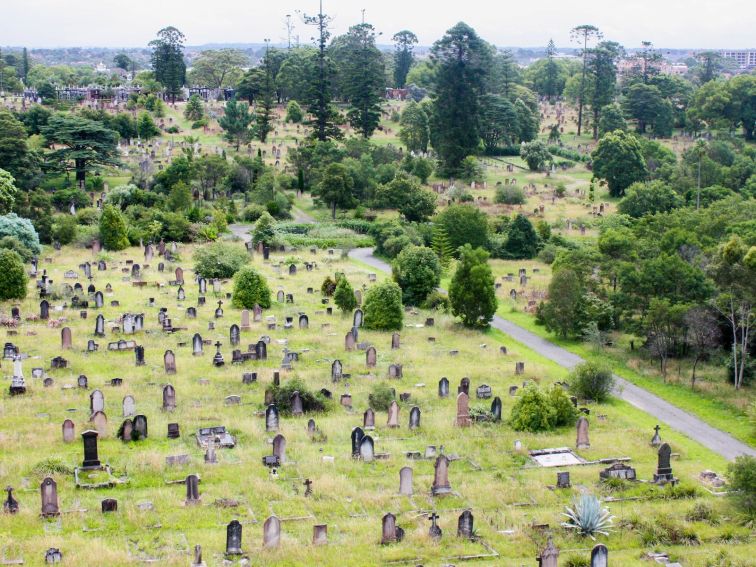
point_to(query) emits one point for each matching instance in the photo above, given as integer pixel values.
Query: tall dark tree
(500, 124)
(711, 65)
(320, 85)
(25, 65)
(81, 145)
(504, 74)
(462, 60)
(235, 121)
(122, 61)
(363, 77)
(646, 63)
(265, 108)
(603, 69)
(168, 60)
(404, 56)
(551, 85)
(583, 34)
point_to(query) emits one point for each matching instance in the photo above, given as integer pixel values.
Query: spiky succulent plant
(587, 516)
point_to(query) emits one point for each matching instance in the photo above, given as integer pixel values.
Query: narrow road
(677, 419)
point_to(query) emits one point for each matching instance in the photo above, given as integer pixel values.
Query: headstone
(368, 419)
(140, 427)
(336, 370)
(405, 481)
(169, 362)
(169, 398)
(279, 448)
(443, 388)
(367, 449)
(393, 415)
(463, 410)
(271, 418)
(271, 532)
(139, 355)
(320, 534)
(357, 319)
(96, 399)
(44, 309)
(582, 433)
(100, 421)
(296, 404)
(388, 533)
(550, 555)
(65, 337)
(395, 341)
(441, 476)
(91, 459)
(349, 341)
(49, 493)
(600, 556)
(245, 319)
(197, 345)
(192, 489)
(10, 506)
(234, 335)
(656, 439)
(370, 357)
(414, 418)
(53, 555)
(496, 409)
(109, 505)
(68, 431)
(234, 538)
(465, 525)
(357, 435)
(129, 406)
(563, 479)
(174, 431)
(663, 467)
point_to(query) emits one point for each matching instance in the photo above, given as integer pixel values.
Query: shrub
(510, 195)
(14, 244)
(437, 301)
(472, 292)
(742, 475)
(465, 224)
(265, 230)
(328, 287)
(311, 402)
(22, 229)
(219, 260)
(417, 271)
(294, 112)
(381, 396)
(383, 307)
(564, 412)
(663, 530)
(113, 229)
(343, 296)
(591, 381)
(535, 154)
(702, 512)
(250, 288)
(253, 212)
(88, 216)
(522, 240)
(532, 411)
(13, 277)
(587, 516)
(577, 561)
(64, 229)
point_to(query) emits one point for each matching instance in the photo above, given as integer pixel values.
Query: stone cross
(434, 531)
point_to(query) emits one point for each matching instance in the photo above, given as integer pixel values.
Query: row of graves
(137, 396)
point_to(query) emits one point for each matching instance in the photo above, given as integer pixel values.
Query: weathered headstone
(465, 525)
(405, 481)
(441, 476)
(271, 532)
(393, 415)
(370, 357)
(463, 410)
(169, 398)
(367, 449)
(68, 431)
(443, 388)
(49, 493)
(234, 538)
(129, 406)
(582, 441)
(414, 418)
(169, 362)
(271, 418)
(279, 448)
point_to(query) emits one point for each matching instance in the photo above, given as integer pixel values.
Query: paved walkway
(679, 420)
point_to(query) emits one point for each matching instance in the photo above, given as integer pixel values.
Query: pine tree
(146, 127)
(403, 56)
(442, 245)
(265, 108)
(168, 60)
(344, 297)
(363, 79)
(194, 110)
(472, 292)
(552, 72)
(235, 122)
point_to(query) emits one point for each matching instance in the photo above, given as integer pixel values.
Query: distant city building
(102, 68)
(626, 66)
(745, 58)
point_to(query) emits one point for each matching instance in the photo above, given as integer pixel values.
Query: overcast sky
(132, 23)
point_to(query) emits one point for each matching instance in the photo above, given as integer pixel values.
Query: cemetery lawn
(509, 496)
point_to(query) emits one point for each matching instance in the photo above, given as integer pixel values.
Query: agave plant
(587, 516)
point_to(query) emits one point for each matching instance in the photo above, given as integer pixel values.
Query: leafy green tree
(294, 113)
(168, 60)
(146, 127)
(414, 127)
(464, 224)
(583, 34)
(113, 230)
(618, 159)
(535, 154)
(194, 110)
(8, 191)
(122, 61)
(235, 122)
(383, 307)
(250, 289)
(611, 119)
(742, 485)
(649, 198)
(265, 230)
(422, 169)
(219, 260)
(500, 122)
(335, 188)
(21, 229)
(591, 381)
(522, 240)
(363, 74)
(562, 312)
(13, 278)
(343, 296)
(404, 42)
(472, 292)
(81, 144)
(418, 272)
(602, 66)
(419, 205)
(64, 229)
(527, 121)
(15, 157)
(645, 104)
(462, 60)
(180, 197)
(218, 68)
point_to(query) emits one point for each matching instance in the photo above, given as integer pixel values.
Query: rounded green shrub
(417, 271)
(250, 288)
(383, 307)
(13, 277)
(344, 297)
(219, 260)
(591, 381)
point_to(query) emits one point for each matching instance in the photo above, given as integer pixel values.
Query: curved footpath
(687, 424)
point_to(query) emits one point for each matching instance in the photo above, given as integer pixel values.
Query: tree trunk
(693, 376)
(333, 210)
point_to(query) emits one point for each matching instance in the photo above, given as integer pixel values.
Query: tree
(168, 60)
(122, 61)
(611, 119)
(418, 272)
(711, 63)
(363, 75)
(645, 104)
(561, 314)
(218, 68)
(320, 84)
(343, 295)
(383, 307)
(551, 86)
(15, 156)
(742, 485)
(442, 245)
(235, 122)
(646, 63)
(533, 411)
(21, 229)
(583, 34)
(194, 110)
(414, 127)
(591, 381)
(264, 116)
(294, 112)
(113, 231)
(464, 224)
(618, 159)
(734, 271)
(81, 143)
(472, 293)
(405, 42)
(265, 230)
(702, 335)
(664, 326)
(422, 169)
(180, 197)
(250, 289)
(146, 127)
(603, 69)
(13, 278)
(500, 122)
(527, 121)
(335, 188)
(522, 240)
(418, 205)
(7, 191)
(219, 260)
(649, 198)
(461, 60)
(535, 154)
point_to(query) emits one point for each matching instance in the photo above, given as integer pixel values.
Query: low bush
(381, 396)
(219, 260)
(312, 402)
(591, 381)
